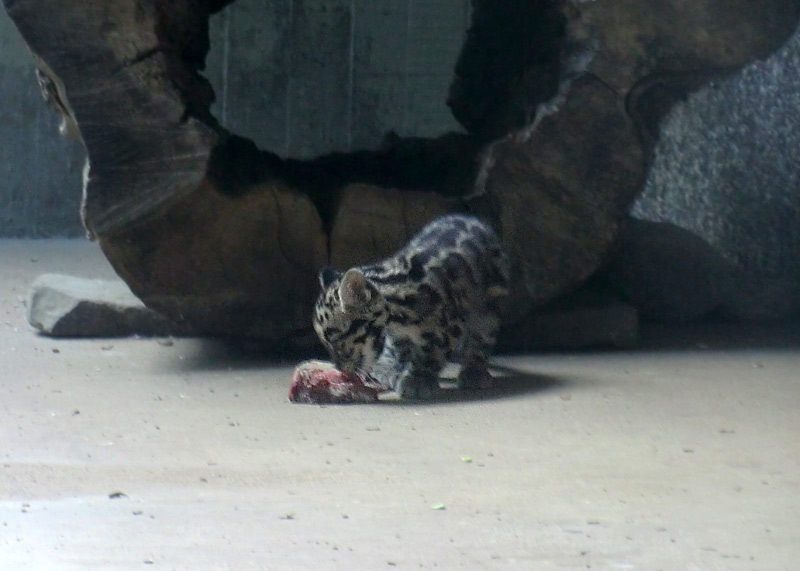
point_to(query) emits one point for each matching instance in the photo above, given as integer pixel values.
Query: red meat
(317, 382)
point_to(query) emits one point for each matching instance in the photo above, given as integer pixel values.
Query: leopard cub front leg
(419, 380)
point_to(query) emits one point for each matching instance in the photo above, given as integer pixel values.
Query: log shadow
(220, 354)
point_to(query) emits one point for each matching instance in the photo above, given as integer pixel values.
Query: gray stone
(67, 306)
(727, 168)
(668, 273)
(578, 326)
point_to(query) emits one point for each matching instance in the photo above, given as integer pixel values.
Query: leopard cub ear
(355, 291)
(328, 276)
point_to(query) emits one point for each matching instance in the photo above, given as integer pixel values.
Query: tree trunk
(561, 102)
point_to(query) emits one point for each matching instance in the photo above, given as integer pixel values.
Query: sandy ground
(186, 454)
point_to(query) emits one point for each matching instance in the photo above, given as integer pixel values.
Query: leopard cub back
(440, 297)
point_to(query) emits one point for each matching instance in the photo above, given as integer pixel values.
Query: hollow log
(560, 101)
(559, 190)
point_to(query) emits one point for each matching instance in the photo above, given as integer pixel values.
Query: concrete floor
(658, 459)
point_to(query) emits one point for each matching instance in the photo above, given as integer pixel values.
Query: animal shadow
(508, 382)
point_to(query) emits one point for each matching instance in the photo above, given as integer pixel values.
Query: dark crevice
(183, 36)
(147, 54)
(509, 64)
(652, 97)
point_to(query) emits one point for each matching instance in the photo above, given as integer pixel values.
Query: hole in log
(317, 79)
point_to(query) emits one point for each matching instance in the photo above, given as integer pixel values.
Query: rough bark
(559, 189)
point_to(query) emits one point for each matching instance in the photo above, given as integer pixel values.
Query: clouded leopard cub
(401, 319)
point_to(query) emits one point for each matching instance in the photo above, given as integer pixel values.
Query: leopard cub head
(349, 319)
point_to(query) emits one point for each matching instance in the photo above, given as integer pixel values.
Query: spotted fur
(400, 320)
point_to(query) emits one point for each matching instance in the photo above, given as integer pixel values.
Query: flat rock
(67, 306)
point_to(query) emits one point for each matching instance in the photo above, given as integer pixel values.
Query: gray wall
(40, 173)
(302, 78)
